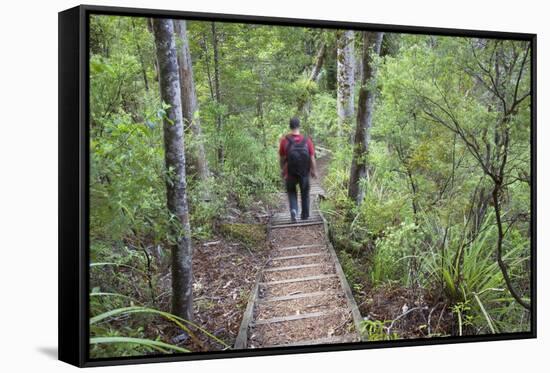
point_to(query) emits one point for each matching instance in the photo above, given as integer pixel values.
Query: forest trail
(301, 296)
(437, 242)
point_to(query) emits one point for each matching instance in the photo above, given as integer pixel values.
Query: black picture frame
(73, 101)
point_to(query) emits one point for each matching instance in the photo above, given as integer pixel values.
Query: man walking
(297, 161)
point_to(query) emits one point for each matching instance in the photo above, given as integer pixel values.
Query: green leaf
(160, 346)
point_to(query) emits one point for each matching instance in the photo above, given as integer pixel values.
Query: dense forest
(426, 168)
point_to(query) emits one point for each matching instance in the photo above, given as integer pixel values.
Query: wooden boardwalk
(301, 297)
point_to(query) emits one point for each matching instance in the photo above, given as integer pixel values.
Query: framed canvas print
(237, 186)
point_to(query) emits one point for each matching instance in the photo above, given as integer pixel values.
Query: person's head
(294, 123)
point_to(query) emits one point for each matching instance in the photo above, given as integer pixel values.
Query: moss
(252, 236)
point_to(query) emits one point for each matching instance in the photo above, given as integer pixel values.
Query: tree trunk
(318, 63)
(155, 60)
(189, 102)
(345, 77)
(217, 88)
(140, 55)
(372, 42)
(303, 106)
(176, 188)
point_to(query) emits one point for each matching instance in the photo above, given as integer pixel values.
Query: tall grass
(120, 325)
(468, 273)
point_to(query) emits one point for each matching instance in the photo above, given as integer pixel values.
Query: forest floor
(225, 270)
(409, 313)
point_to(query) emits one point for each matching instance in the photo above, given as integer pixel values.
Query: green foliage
(147, 344)
(103, 337)
(323, 117)
(252, 236)
(261, 71)
(382, 204)
(391, 259)
(426, 219)
(376, 330)
(462, 310)
(469, 274)
(352, 270)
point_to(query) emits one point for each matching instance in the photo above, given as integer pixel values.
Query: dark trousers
(303, 182)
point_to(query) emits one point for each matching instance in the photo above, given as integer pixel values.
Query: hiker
(297, 161)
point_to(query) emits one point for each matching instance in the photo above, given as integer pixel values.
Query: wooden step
(296, 296)
(290, 224)
(348, 338)
(290, 318)
(287, 213)
(314, 219)
(276, 269)
(297, 224)
(301, 279)
(299, 247)
(298, 220)
(276, 258)
(284, 217)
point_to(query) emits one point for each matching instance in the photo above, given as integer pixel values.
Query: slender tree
(217, 88)
(176, 187)
(303, 105)
(502, 73)
(189, 102)
(140, 56)
(372, 42)
(318, 63)
(345, 63)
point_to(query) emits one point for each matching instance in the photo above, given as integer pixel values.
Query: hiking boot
(305, 217)
(293, 216)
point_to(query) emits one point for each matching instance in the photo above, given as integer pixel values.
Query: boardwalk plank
(288, 268)
(301, 279)
(276, 258)
(296, 296)
(348, 338)
(290, 318)
(300, 247)
(292, 225)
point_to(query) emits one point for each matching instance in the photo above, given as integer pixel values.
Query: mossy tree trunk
(304, 105)
(217, 89)
(318, 63)
(189, 101)
(372, 42)
(176, 187)
(345, 62)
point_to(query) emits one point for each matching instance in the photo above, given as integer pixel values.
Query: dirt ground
(224, 276)
(224, 272)
(416, 315)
